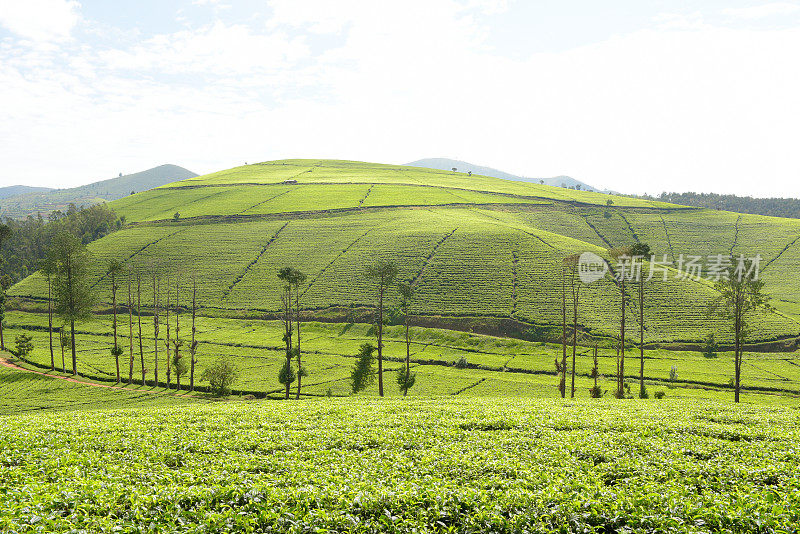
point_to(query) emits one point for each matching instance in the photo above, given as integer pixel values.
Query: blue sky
(636, 96)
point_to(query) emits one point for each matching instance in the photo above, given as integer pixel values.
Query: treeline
(27, 241)
(775, 207)
(740, 298)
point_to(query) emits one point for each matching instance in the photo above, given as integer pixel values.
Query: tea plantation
(474, 247)
(404, 465)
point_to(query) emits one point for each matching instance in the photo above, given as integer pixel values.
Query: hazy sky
(637, 96)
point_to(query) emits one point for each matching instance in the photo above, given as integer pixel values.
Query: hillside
(482, 252)
(31, 203)
(446, 164)
(16, 190)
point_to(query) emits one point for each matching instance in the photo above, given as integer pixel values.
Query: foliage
(72, 289)
(220, 376)
(410, 465)
(23, 344)
(710, 346)
(405, 380)
(660, 394)
(363, 373)
(287, 374)
(774, 207)
(31, 238)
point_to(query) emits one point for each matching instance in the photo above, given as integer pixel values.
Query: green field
(404, 465)
(474, 247)
(482, 442)
(495, 366)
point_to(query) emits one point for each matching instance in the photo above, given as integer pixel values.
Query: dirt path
(11, 365)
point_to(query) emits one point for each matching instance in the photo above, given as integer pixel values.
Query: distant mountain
(15, 190)
(446, 164)
(44, 202)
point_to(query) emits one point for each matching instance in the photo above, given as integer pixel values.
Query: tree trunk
(737, 356)
(288, 332)
(562, 386)
(297, 320)
(408, 358)
(50, 321)
(575, 295)
(177, 330)
(168, 345)
(74, 352)
(139, 320)
(194, 333)
(621, 376)
(155, 329)
(380, 338)
(641, 338)
(114, 308)
(130, 328)
(63, 359)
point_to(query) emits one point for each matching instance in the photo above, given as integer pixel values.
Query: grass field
(404, 465)
(495, 366)
(473, 246)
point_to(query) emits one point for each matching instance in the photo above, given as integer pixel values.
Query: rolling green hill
(477, 248)
(47, 200)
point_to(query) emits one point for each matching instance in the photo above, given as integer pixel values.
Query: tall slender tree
(384, 273)
(130, 325)
(571, 264)
(178, 365)
(155, 325)
(168, 340)
(639, 254)
(47, 270)
(64, 341)
(139, 320)
(622, 255)
(73, 294)
(286, 375)
(562, 367)
(405, 378)
(298, 278)
(741, 294)
(115, 268)
(193, 346)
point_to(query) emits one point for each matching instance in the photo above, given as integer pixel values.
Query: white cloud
(682, 105)
(40, 20)
(771, 9)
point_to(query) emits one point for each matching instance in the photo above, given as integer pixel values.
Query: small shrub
(177, 216)
(23, 344)
(659, 394)
(116, 351)
(221, 375)
(643, 394)
(710, 347)
(596, 392)
(461, 363)
(363, 374)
